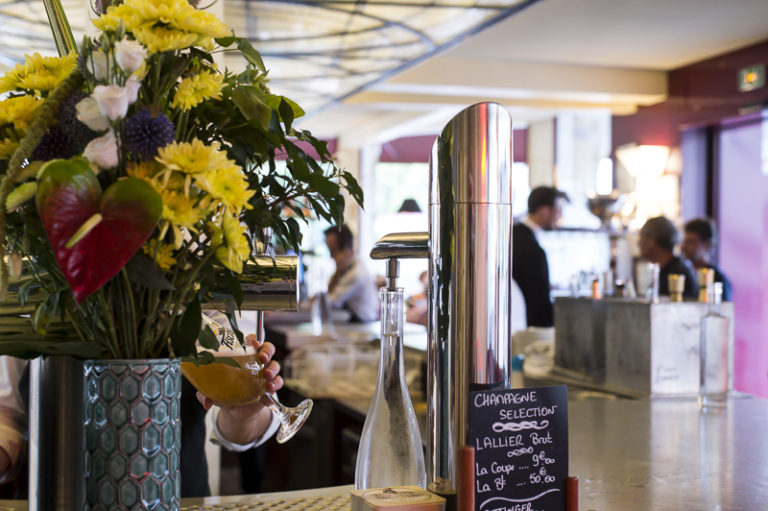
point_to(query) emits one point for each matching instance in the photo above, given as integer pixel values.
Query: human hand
(241, 424)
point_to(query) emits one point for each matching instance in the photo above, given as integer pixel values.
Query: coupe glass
(227, 385)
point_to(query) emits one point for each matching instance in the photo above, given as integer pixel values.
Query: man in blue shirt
(698, 246)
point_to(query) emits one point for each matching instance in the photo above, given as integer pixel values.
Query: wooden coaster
(401, 498)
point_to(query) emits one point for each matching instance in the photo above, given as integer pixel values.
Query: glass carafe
(390, 451)
(714, 363)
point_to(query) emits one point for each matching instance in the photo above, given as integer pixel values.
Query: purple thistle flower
(145, 134)
(54, 144)
(79, 133)
(68, 136)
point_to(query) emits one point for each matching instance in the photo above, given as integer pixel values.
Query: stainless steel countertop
(665, 455)
(640, 455)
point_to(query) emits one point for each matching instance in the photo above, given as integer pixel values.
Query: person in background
(699, 237)
(351, 287)
(658, 237)
(530, 269)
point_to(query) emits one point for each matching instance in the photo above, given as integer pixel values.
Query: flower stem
(185, 289)
(111, 330)
(151, 315)
(132, 318)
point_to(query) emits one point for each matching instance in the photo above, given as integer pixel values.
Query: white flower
(132, 85)
(99, 64)
(113, 100)
(129, 54)
(88, 113)
(102, 151)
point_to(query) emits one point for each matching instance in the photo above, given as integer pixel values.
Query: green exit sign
(751, 78)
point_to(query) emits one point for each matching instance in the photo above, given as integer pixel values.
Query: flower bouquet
(136, 177)
(136, 171)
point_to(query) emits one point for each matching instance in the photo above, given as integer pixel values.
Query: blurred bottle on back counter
(706, 278)
(713, 353)
(676, 286)
(652, 289)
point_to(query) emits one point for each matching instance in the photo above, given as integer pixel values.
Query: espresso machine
(469, 247)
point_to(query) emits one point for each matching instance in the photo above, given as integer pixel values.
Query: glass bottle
(390, 452)
(713, 352)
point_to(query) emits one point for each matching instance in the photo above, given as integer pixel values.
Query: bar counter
(629, 455)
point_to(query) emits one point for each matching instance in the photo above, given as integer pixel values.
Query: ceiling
(537, 58)
(553, 56)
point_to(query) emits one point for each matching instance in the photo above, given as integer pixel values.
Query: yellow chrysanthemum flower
(145, 170)
(38, 73)
(206, 25)
(160, 39)
(193, 157)
(7, 147)
(163, 25)
(19, 111)
(161, 252)
(195, 89)
(228, 185)
(181, 210)
(233, 247)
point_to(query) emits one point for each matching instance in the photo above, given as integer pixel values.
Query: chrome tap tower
(470, 272)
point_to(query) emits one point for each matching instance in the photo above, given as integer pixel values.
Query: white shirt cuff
(218, 439)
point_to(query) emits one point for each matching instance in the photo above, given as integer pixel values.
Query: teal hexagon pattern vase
(132, 434)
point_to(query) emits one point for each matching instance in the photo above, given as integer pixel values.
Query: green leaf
(297, 110)
(232, 317)
(199, 358)
(142, 270)
(187, 329)
(299, 168)
(251, 103)
(24, 291)
(286, 114)
(246, 48)
(208, 339)
(236, 288)
(350, 183)
(286, 107)
(45, 312)
(323, 185)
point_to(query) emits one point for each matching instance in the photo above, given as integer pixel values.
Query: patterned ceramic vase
(132, 434)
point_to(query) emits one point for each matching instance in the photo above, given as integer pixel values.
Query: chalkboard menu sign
(520, 438)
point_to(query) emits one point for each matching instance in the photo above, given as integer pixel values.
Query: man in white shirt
(351, 287)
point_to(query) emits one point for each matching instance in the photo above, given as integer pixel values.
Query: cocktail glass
(227, 385)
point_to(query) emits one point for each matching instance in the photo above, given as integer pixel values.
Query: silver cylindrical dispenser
(470, 272)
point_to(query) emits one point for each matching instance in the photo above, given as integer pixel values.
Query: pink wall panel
(743, 213)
